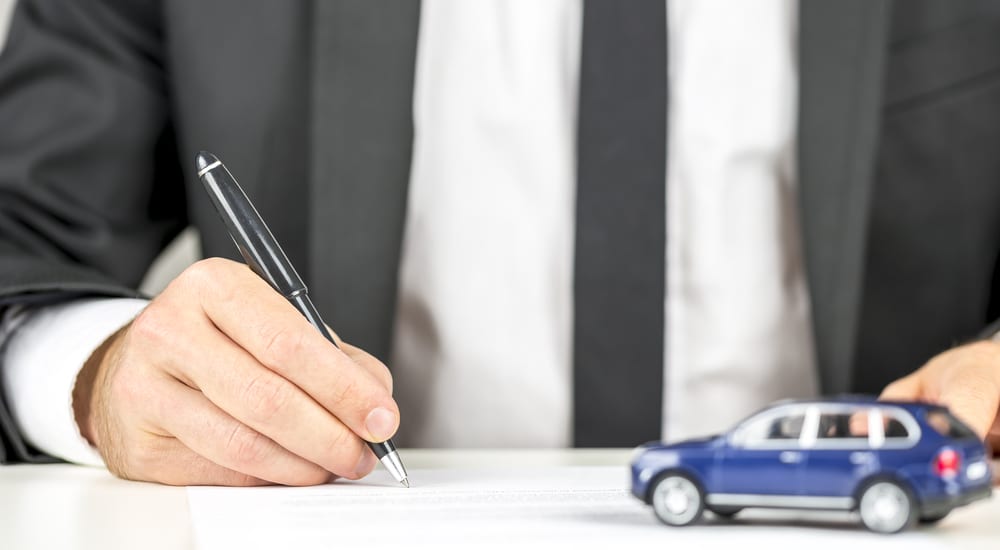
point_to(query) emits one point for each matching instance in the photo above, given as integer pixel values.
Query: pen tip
(405, 482)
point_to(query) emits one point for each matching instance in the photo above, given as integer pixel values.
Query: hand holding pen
(264, 256)
(221, 381)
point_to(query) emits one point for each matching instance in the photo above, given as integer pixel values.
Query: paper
(580, 507)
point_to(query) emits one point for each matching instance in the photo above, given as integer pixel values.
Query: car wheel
(725, 512)
(677, 500)
(934, 518)
(887, 507)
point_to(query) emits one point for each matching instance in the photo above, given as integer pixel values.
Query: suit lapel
(362, 132)
(842, 56)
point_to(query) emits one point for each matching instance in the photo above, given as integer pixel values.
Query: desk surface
(69, 507)
(62, 506)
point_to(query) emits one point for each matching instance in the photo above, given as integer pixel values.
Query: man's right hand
(220, 381)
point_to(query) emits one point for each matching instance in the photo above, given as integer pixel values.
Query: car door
(763, 456)
(840, 451)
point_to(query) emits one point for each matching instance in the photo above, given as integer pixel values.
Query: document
(521, 508)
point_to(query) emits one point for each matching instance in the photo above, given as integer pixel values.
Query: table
(74, 507)
(62, 506)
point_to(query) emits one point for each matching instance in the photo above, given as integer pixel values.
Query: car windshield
(947, 425)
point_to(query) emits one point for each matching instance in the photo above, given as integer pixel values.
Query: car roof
(850, 399)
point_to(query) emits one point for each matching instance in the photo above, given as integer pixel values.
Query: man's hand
(221, 381)
(966, 379)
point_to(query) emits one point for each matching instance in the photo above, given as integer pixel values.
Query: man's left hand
(966, 379)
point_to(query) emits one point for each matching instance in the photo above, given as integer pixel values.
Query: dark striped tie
(620, 224)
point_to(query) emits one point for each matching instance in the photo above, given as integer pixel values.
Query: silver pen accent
(395, 467)
(387, 455)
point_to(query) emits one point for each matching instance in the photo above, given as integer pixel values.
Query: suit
(103, 108)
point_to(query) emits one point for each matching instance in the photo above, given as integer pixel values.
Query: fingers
(272, 406)
(364, 359)
(134, 448)
(375, 367)
(966, 379)
(171, 463)
(909, 388)
(211, 433)
(973, 400)
(262, 322)
(221, 381)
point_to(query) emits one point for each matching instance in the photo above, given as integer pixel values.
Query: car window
(894, 426)
(840, 428)
(947, 425)
(843, 425)
(770, 430)
(857, 427)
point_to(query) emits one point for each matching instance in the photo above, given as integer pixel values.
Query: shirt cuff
(42, 357)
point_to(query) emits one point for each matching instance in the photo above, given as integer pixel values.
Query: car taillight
(947, 463)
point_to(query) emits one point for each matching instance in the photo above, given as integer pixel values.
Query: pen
(262, 253)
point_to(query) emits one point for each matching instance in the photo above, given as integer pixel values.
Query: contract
(518, 508)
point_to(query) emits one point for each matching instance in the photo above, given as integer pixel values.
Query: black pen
(262, 253)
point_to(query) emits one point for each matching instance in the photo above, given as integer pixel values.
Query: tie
(620, 224)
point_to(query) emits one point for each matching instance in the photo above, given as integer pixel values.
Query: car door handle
(861, 458)
(790, 457)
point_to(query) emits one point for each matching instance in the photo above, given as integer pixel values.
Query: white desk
(71, 507)
(60, 506)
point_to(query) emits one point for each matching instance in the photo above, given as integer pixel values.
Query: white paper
(582, 507)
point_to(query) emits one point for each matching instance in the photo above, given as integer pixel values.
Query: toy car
(895, 463)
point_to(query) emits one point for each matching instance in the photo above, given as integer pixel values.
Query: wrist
(85, 389)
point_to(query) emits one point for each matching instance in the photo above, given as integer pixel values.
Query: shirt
(482, 350)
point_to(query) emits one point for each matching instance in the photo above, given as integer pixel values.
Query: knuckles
(245, 447)
(347, 391)
(207, 277)
(281, 344)
(207, 271)
(266, 396)
(344, 450)
(152, 325)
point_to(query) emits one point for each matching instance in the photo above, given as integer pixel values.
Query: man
(492, 186)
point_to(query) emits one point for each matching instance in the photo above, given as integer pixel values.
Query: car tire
(725, 512)
(887, 507)
(934, 518)
(677, 500)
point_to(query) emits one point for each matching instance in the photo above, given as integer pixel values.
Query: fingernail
(365, 465)
(381, 423)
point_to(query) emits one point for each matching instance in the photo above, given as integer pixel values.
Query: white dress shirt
(41, 362)
(738, 316)
(482, 355)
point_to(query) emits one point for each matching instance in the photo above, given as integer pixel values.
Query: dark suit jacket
(104, 103)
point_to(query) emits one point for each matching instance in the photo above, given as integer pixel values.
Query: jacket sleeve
(90, 186)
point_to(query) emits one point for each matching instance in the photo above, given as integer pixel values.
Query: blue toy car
(895, 463)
